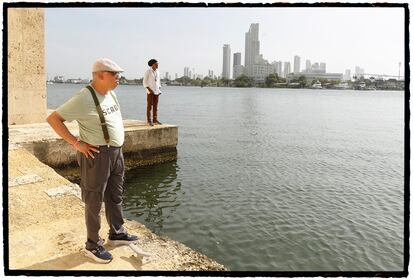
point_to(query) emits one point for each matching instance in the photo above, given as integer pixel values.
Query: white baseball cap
(105, 64)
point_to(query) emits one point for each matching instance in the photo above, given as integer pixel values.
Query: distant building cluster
(61, 79)
(258, 68)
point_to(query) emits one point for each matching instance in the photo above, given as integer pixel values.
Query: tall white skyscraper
(359, 72)
(308, 65)
(315, 67)
(347, 76)
(278, 69)
(296, 64)
(186, 71)
(226, 61)
(236, 59)
(210, 74)
(237, 67)
(322, 67)
(252, 48)
(286, 69)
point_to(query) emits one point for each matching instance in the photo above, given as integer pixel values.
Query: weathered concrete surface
(26, 85)
(143, 144)
(48, 232)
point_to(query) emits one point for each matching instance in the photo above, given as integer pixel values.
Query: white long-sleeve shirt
(152, 80)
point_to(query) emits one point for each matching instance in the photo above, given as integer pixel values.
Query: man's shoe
(99, 254)
(157, 122)
(150, 124)
(123, 239)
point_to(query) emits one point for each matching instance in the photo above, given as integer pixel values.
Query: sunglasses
(115, 74)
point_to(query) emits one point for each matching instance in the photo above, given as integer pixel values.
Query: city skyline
(193, 40)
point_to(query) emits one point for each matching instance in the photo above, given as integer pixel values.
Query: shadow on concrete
(73, 261)
(62, 263)
(135, 261)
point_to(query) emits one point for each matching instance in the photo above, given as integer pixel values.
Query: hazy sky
(372, 38)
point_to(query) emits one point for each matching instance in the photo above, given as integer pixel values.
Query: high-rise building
(236, 59)
(286, 69)
(166, 76)
(278, 67)
(237, 67)
(359, 72)
(226, 61)
(308, 65)
(322, 67)
(176, 76)
(252, 48)
(296, 64)
(315, 67)
(187, 72)
(347, 76)
(210, 74)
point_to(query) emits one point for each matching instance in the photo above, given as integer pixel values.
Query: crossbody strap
(100, 113)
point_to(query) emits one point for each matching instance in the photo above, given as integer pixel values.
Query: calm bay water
(275, 179)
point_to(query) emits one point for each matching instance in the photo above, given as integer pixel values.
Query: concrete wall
(26, 66)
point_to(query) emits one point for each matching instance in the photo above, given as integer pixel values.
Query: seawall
(46, 216)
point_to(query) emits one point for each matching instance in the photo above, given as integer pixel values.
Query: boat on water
(49, 83)
(317, 85)
(342, 85)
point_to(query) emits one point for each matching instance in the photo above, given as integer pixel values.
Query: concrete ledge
(144, 145)
(47, 229)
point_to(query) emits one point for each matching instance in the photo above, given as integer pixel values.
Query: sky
(372, 38)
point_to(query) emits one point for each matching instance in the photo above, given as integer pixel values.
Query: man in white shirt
(152, 85)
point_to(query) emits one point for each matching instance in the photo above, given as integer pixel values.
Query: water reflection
(151, 194)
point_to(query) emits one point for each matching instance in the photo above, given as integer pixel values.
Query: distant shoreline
(339, 89)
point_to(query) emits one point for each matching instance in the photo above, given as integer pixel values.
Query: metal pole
(399, 68)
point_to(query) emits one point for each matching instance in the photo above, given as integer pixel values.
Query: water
(275, 179)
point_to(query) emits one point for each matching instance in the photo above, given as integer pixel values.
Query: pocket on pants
(94, 172)
(78, 158)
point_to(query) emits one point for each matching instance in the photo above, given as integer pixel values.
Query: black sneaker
(99, 254)
(123, 239)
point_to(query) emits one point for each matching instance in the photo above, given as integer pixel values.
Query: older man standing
(152, 84)
(99, 154)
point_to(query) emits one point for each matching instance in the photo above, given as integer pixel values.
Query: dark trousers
(152, 104)
(102, 180)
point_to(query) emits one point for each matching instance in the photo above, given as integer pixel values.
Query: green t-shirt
(82, 109)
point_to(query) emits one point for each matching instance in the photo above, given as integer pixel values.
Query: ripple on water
(261, 185)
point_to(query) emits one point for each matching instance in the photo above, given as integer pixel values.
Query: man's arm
(56, 122)
(145, 83)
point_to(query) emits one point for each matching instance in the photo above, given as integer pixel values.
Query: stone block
(24, 180)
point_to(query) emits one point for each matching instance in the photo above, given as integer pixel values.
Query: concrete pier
(144, 145)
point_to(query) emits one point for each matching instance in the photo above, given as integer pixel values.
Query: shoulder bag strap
(101, 116)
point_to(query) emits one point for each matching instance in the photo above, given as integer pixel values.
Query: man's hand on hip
(86, 149)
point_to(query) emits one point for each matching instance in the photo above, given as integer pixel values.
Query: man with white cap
(99, 155)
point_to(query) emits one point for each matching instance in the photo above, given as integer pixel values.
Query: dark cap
(152, 61)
